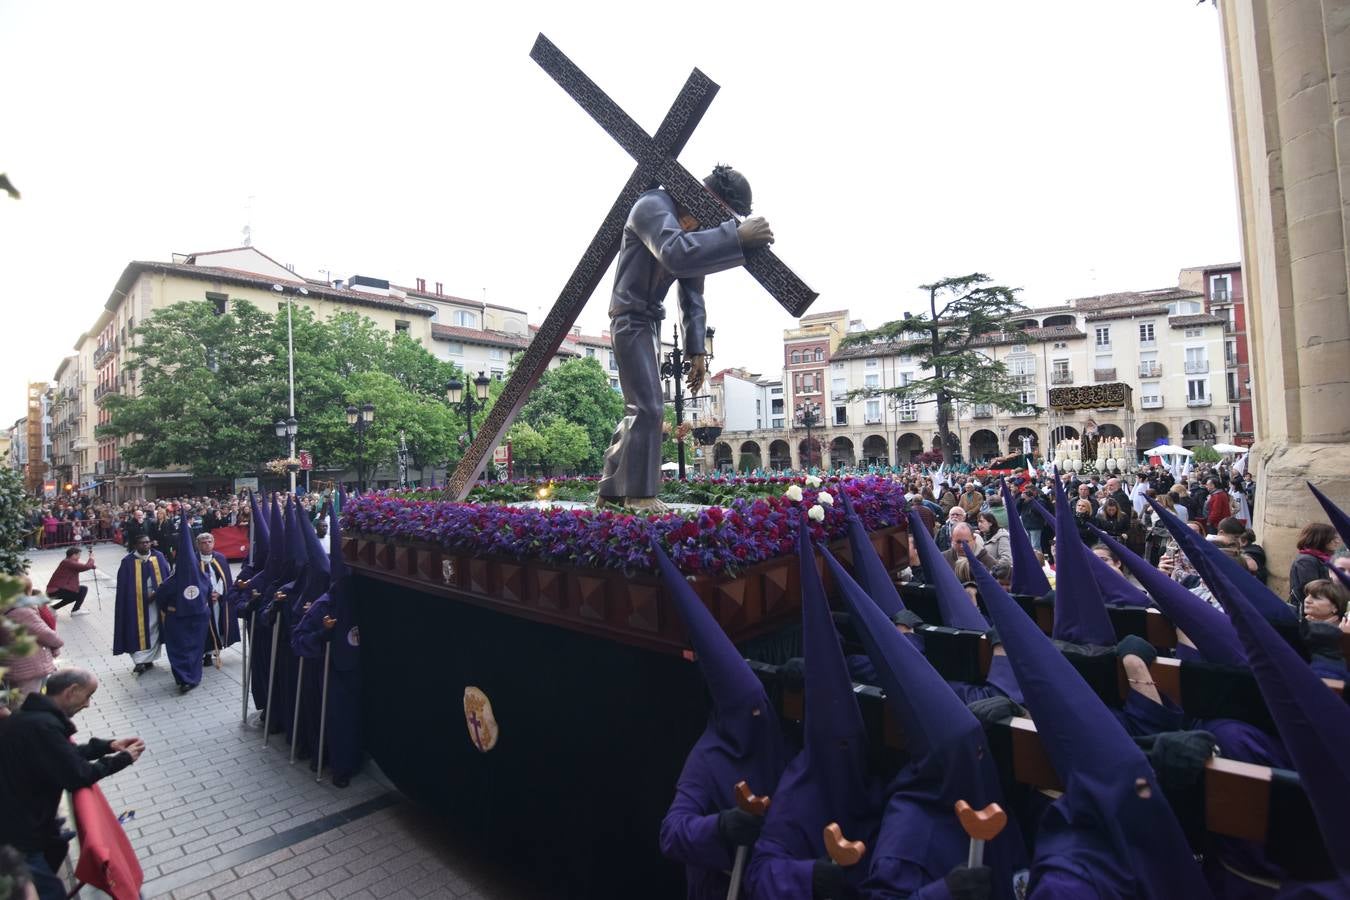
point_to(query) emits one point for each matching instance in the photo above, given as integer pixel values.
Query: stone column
(1288, 67)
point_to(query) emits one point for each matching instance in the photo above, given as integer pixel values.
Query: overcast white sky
(1067, 148)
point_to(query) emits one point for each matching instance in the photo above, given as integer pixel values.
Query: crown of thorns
(731, 186)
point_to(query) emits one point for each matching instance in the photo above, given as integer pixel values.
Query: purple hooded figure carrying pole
(1111, 833)
(828, 781)
(183, 602)
(921, 841)
(743, 741)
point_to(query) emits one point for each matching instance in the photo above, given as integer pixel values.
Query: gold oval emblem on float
(480, 721)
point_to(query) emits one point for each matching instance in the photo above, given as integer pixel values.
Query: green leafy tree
(568, 445)
(425, 423)
(964, 313)
(528, 448)
(15, 507)
(211, 386)
(577, 391)
(1206, 454)
(195, 370)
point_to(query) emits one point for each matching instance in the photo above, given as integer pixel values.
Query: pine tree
(965, 314)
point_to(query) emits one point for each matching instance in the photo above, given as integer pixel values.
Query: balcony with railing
(1199, 401)
(103, 391)
(1229, 326)
(1221, 296)
(1197, 366)
(1150, 370)
(1058, 377)
(982, 411)
(909, 415)
(1023, 411)
(1151, 402)
(1230, 360)
(104, 350)
(1103, 374)
(1024, 380)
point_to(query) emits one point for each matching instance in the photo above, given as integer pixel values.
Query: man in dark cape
(183, 603)
(281, 611)
(1314, 724)
(958, 611)
(1112, 832)
(661, 244)
(1239, 869)
(1082, 626)
(309, 672)
(1115, 590)
(239, 595)
(223, 628)
(261, 588)
(331, 620)
(136, 618)
(828, 781)
(921, 847)
(743, 741)
(1027, 575)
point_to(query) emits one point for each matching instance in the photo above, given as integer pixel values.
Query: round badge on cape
(480, 721)
(191, 592)
(354, 637)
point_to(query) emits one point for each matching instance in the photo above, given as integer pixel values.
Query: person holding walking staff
(239, 596)
(64, 586)
(328, 629)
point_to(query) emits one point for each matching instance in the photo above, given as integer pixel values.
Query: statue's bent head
(732, 187)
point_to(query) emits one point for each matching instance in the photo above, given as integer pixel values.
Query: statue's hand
(698, 370)
(754, 232)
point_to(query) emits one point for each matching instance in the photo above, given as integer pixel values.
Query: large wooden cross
(656, 165)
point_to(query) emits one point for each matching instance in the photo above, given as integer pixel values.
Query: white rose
(794, 493)
(825, 498)
(812, 481)
(816, 513)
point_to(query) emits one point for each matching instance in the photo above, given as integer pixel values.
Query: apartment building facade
(1161, 343)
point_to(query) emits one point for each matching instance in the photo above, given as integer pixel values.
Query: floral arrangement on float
(742, 522)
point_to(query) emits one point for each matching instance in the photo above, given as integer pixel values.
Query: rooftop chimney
(422, 284)
(438, 289)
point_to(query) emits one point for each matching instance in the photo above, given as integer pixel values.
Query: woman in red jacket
(1217, 508)
(64, 586)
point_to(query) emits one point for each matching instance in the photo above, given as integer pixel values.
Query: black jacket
(37, 763)
(132, 530)
(1302, 570)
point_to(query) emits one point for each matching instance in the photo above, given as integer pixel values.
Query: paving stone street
(217, 815)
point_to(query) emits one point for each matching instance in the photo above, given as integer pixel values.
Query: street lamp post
(808, 413)
(286, 429)
(402, 460)
(677, 366)
(360, 421)
(468, 403)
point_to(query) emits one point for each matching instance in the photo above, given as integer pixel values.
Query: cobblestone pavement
(218, 816)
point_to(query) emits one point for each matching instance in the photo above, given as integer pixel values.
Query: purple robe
(137, 581)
